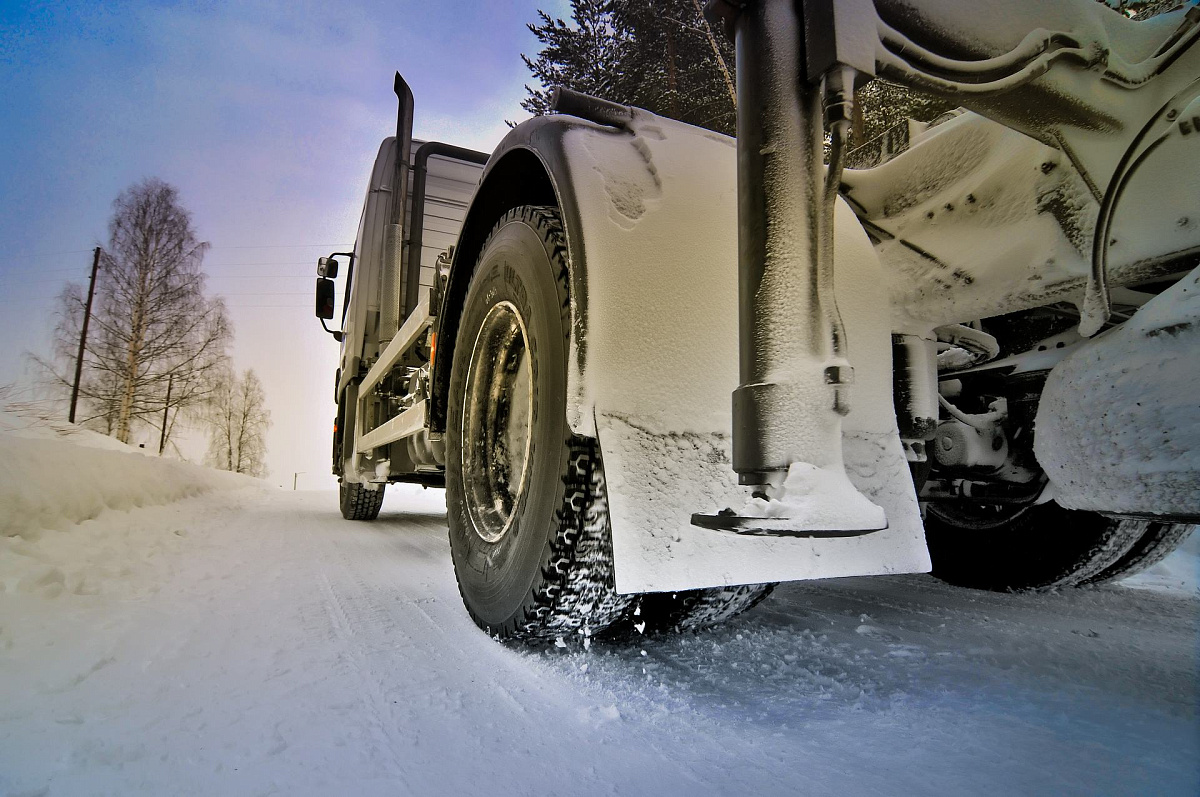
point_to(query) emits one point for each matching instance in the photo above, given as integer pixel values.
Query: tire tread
(1157, 543)
(697, 609)
(359, 502)
(575, 594)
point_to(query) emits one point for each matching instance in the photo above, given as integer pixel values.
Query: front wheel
(528, 514)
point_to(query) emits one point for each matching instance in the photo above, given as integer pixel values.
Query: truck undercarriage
(975, 354)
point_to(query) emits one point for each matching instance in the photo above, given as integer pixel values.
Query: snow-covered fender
(1118, 424)
(650, 215)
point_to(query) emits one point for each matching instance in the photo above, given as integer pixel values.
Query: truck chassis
(891, 334)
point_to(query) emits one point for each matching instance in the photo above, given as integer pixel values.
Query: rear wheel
(528, 515)
(359, 501)
(1157, 542)
(697, 609)
(1002, 547)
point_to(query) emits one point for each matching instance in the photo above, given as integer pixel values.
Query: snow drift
(53, 476)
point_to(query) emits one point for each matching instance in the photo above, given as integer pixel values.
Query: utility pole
(162, 438)
(87, 315)
(294, 477)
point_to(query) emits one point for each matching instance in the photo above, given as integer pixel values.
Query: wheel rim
(977, 517)
(497, 440)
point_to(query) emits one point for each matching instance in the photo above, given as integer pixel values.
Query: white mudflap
(658, 365)
(656, 481)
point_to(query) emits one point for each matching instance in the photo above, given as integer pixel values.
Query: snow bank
(55, 475)
(31, 425)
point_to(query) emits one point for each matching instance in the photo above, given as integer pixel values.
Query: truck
(659, 370)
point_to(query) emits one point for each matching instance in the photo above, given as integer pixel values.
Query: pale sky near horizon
(266, 117)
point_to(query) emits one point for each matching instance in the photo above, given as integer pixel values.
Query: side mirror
(325, 298)
(327, 267)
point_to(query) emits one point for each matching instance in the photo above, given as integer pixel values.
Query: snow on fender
(1118, 427)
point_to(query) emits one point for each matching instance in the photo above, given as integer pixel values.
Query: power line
(283, 246)
(267, 293)
(215, 277)
(211, 249)
(48, 297)
(207, 265)
(50, 254)
(264, 263)
(58, 269)
(21, 299)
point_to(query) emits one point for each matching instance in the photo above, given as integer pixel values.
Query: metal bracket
(726, 520)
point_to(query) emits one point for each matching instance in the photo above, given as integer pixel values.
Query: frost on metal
(1118, 428)
(977, 220)
(657, 479)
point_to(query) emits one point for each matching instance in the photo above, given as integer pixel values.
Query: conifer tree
(584, 55)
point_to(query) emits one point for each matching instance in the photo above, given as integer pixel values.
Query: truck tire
(1008, 548)
(697, 609)
(527, 509)
(358, 501)
(1157, 542)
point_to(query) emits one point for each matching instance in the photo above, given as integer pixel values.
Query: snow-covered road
(259, 644)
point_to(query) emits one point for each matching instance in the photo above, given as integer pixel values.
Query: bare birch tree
(238, 420)
(156, 341)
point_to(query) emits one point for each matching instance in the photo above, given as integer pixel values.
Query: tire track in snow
(349, 611)
(540, 706)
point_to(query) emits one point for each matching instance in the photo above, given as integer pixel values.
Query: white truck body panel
(449, 186)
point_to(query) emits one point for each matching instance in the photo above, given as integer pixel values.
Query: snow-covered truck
(975, 353)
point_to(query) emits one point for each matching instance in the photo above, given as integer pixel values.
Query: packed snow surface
(253, 642)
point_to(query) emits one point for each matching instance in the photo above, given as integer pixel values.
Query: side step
(411, 420)
(406, 424)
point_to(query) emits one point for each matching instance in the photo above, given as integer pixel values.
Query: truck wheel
(698, 609)
(528, 514)
(360, 502)
(1157, 542)
(1005, 548)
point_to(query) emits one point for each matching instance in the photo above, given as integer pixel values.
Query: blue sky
(266, 116)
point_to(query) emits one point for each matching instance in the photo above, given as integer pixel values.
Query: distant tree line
(157, 344)
(238, 419)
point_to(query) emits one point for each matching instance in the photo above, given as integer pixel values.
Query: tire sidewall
(499, 579)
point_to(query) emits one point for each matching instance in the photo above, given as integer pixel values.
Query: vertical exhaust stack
(393, 238)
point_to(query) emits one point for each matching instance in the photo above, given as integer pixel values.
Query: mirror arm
(337, 333)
